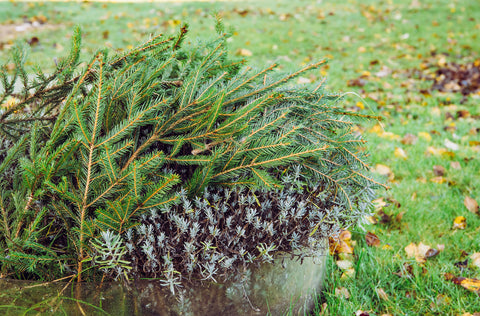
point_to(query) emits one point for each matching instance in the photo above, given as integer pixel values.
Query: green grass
(357, 36)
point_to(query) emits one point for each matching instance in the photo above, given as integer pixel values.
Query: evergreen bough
(175, 141)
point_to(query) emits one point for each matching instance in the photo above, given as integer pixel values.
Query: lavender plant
(177, 162)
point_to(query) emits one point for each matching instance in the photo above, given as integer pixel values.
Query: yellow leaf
(390, 135)
(470, 284)
(129, 25)
(244, 52)
(460, 222)
(173, 23)
(376, 129)
(425, 136)
(361, 49)
(438, 180)
(384, 171)
(436, 151)
(471, 204)
(400, 153)
(360, 105)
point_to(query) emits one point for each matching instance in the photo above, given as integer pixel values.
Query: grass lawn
(383, 53)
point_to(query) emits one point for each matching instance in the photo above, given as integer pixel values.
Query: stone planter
(288, 286)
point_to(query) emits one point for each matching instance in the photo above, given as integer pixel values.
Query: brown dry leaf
(399, 217)
(475, 259)
(406, 270)
(471, 204)
(448, 276)
(409, 139)
(460, 222)
(381, 293)
(341, 244)
(342, 291)
(470, 284)
(432, 252)
(438, 170)
(384, 218)
(372, 239)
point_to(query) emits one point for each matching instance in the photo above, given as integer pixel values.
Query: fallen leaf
(471, 204)
(438, 180)
(361, 313)
(381, 293)
(470, 284)
(451, 145)
(387, 247)
(400, 153)
(460, 222)
(461, 264)
(425, 136)
(341, 244)
(406, 270)
(438, 170)
(342, 291)
(420, 252)
(409, 139)
(372, 239)
(379, 203)
(448, 276)
(399, 217)
(384, 218)
(411, 249)
(361, 49)
(455, 165)
(432, 252)
(384, 171)
(243, 52)
(435, 151)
